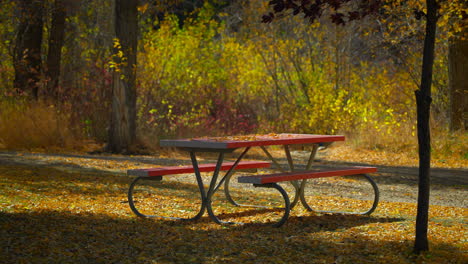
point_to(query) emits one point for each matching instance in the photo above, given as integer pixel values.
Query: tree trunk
(54, 56)
(423, 101)
(27, 52)
(122, 134)
(458, 82)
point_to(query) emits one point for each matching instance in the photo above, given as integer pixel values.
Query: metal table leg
(207, 196)
(214, 186)
(287, 203)
(138, 213)
(227, 179)
(298, 185)
(366, 212)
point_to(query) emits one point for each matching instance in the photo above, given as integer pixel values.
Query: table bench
(158, 173)
(272, 180)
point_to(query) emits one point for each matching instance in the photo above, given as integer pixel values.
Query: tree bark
(54, 56)
(423, 101)
(122, 134)
(27, 59)
(458, 82)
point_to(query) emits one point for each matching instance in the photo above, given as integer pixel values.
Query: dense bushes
(203, 78)
(199, 80)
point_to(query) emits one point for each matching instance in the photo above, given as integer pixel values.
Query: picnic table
(224, 145)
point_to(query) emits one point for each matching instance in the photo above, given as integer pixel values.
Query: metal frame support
(135, 210)
(287, 203)
(207, 195)
(367, 212)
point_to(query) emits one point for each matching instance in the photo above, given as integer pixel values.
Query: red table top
(232, 142)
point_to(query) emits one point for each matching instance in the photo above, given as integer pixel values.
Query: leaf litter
(49, 215)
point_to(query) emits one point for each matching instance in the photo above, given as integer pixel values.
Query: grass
(35, 126)
(55, 216)
(42, 127)
(448, 149)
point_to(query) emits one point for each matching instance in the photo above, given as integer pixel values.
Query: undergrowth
(402, 139)
(35, 125)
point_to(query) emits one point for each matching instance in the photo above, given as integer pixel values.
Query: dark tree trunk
(27, 52)
(423, 100)
(122, 134)
(54, 56)
(458, 82)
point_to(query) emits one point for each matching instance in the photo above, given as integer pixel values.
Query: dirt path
(396, 184)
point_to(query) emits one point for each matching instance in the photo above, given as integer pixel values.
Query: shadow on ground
(58, 237)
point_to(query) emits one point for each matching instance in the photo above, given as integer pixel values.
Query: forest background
(212, 68)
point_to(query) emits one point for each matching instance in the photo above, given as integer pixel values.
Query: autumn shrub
(185, 88)
(33, 125)
(448, 145)
(304, 93)
(200, 78)
(85, 81)
(85, 87)
(89, 102)
(197, 79)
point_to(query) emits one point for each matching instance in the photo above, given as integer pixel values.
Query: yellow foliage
(289, 78)
(204, 79)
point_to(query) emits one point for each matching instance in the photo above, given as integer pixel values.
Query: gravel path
(449, 187)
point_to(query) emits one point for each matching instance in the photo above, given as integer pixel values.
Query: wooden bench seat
(302, 175)
(158, 173)
(272, 180)
(174, 170)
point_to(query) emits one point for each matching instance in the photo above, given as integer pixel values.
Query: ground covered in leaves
(70, 209)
